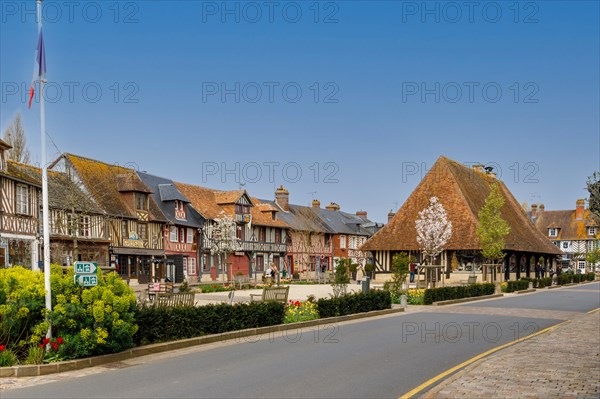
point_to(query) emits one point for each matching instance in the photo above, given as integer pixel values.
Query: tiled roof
(20, 172)
(62, 192)
(564, 220)
(343, 223)
(462, 191)
(202, 199)
(168, 192)
(228, 197)
(261, 214)
(303, 218)
(213, 204)
(165, 187)
(103, 182)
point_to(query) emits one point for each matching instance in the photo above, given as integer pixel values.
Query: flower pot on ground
(353, 268)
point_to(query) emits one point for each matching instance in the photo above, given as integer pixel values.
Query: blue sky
(368, 94)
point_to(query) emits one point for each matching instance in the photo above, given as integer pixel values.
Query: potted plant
(352, 268)
(369, 270)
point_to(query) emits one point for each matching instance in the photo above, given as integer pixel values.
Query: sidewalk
(561, 363)
(298, 292)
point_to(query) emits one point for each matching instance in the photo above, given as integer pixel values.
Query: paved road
(378, 358)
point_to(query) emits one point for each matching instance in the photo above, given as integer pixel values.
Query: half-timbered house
(19, 215)
(462, 191)
(574, 231)
(318, 237)
(135, 225)
(78, 226)
(181, 233)
(261, 236)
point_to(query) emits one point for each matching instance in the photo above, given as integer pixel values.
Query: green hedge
(161, 324)
(517, 285)
(354, 303)
(568, 278)
(447, 293)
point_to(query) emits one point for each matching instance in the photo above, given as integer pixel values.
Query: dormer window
(592, 231)
(141, 201)
(552, 232)
(179, 210)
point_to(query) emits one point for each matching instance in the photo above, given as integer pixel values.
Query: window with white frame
(343, 242)
(173, 234)
(352, 242)
(565, 244)
(591, 245)
(22, 199)
(592, 231)
(190, 235)
(581, 264)
(552, 232)
(192, 267)
(84, 226)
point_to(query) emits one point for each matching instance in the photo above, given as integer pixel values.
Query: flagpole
(45, 211)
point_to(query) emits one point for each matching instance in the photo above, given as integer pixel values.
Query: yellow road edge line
(592, 311)
(475, 358)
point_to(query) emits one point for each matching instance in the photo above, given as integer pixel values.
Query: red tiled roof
(462, 191)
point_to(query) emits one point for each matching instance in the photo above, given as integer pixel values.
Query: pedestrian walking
(412, 272)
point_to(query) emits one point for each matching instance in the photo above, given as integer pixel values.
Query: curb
(526, 291)
(461, 300)
(78, 364)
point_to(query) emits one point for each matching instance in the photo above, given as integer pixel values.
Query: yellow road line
(592, 311)
(474, 359)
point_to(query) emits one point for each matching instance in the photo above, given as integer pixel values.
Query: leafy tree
(593, 259)
(593, 187)
(14, 135)
(492, 228)
(400, 269)
(341, 279)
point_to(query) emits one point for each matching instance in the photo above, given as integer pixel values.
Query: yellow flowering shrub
(89, 321)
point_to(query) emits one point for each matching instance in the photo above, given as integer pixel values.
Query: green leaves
(492, 227)
(447, 293)
(354, 303)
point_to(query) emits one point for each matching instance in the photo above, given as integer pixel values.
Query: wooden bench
(159, 288)
(241, 281)
(470, 280)
(272, 294)
(174, 299)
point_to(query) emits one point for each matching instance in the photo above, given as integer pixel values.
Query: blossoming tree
(223, 240)
(434, 230)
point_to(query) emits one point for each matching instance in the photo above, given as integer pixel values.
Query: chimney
(316, 203)
(541, 208)
(534, 208)
(362, 214)
(391, 215)
(579, 209)
(332, 207)
(282, 198)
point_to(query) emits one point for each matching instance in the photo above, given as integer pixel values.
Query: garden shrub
(354, 303)
(89, 321)
(447, 293)
(517, 285)
(162, 324)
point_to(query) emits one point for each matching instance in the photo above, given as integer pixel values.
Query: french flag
(40, 60)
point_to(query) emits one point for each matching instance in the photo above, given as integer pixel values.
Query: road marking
(592, 311)
(475, 358)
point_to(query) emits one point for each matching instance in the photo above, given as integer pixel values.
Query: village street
(383, 357)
